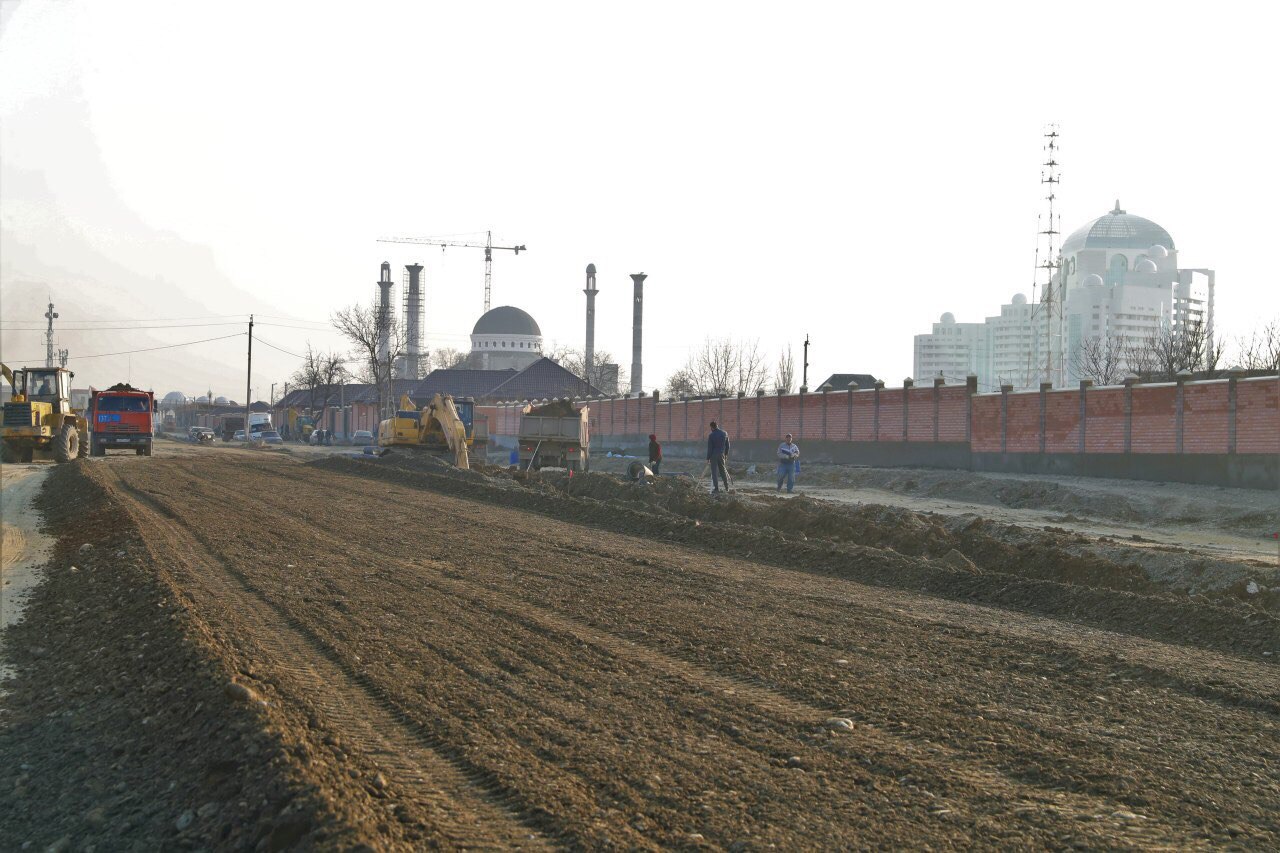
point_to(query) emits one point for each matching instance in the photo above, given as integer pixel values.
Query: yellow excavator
(39, 417)
(438, 428)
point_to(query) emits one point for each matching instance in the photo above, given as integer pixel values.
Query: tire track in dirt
(464, 517)
(464, 805)
(788, 708)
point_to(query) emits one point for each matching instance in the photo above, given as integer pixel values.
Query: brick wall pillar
(1085, 385)
(1045, 388)
(800, 431)
(779, 398)
(738, 425)
(938, 382)
(759, 410)
(970, 388)
(853, 386)
(656, 398)
(875, 412)
(907, 385)
(686, 418)
(1129, 382)
(1232, 401)
(824, 389)
(1004, 417)
(1179, 401)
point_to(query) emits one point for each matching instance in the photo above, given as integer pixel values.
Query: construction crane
(487, 245)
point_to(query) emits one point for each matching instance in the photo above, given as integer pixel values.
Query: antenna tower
(1052, 298)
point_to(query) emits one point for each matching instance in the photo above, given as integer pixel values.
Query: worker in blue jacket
(718, 458)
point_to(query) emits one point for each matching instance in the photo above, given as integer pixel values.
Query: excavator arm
(455, 431)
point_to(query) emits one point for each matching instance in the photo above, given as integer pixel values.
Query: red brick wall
(1023, 423)
(863, 415)
(812, 417)
(1104, 427)
(1258, 416)
(790, 415)
(1155, 419)
(986, 423)
(891, 414)
(953, 413)
(1204, 418)
(837, 416)
(1062, 422)
(920, 414)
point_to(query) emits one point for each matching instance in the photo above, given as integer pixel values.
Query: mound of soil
(128, 726)
(1036, 576)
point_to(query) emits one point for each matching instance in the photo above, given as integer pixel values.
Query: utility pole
(804, 382)
(248, 378)
(273, 395)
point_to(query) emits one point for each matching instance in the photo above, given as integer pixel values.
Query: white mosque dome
(1092, 280)
(220, 401)
(1019, 299)
(1145, 265)
(1158, 251)
(948, 318)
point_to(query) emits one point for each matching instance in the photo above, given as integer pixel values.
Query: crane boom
(487, 245)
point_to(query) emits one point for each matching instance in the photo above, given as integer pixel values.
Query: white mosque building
(1119, 279)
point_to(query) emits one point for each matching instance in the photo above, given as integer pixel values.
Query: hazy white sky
(840, 170)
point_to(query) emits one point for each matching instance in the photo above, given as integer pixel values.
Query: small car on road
(361, 438)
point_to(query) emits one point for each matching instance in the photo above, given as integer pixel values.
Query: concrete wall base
(1245, 470)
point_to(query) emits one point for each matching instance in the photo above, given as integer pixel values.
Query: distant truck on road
(555, 436)
(121, 418)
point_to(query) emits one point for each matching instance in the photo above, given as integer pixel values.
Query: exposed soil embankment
(1035, 571)
(128, 725)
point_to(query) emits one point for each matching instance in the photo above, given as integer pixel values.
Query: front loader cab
(50, 385)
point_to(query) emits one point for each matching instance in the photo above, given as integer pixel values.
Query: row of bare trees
(725, 367)
(1107, 359)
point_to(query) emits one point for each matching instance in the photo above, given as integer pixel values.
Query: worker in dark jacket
(718, 458)
(655, 454)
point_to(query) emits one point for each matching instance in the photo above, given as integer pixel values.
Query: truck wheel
(95, 448)
(7, 453)
(67, 445)
(147, 449)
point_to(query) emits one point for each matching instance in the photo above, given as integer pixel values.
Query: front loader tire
(67, 445)
(84, 446)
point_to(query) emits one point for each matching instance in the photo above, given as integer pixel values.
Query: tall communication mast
(50, 315)
(1052, 299)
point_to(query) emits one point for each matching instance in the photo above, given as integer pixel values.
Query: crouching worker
(788, 458)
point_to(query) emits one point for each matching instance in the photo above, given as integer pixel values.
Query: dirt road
(449, 670)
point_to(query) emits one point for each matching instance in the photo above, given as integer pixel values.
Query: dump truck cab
(39, 417)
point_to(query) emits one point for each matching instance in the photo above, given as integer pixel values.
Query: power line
(118, 328)
(263, 340)
(132, 351)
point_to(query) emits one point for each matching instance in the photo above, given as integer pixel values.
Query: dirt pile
(126, 726)
(1036, 575)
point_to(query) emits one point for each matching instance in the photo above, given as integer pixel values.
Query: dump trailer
(39, 419)
(444, 427)
(230, 425)
(555, 435)
(121, 418)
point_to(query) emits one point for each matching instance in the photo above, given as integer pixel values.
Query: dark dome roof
(1118, 230)
(506, 320)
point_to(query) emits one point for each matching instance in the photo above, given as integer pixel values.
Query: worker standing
(655, 454)
(718, 458)
(788, 458)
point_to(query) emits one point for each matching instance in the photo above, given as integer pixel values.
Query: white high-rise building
(1118, 280)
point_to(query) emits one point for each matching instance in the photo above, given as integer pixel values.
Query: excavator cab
(437, 428)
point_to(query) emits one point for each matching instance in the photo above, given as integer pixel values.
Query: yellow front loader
(438, 428)
(39, 417)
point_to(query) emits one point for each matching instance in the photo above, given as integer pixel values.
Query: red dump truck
(121, 417)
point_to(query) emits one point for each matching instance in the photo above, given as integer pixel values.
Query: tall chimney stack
(637, 320)
(591, 322)
(384, 311)
(413, 317)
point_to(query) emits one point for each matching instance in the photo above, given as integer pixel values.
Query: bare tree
(1262, 349)
(1101, 359)
(575, 361)
(1169, 350)
(359, 325)
(722, 367)
(317, 375)
(784, 375)
(448, 358)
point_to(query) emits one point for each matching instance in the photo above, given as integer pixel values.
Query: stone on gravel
(63, 843)
(956, 560)
(237, 691)
(85, 548)
(795, 761)
(380, 782)
(185, 820)
(839, 724)
(207, 811)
